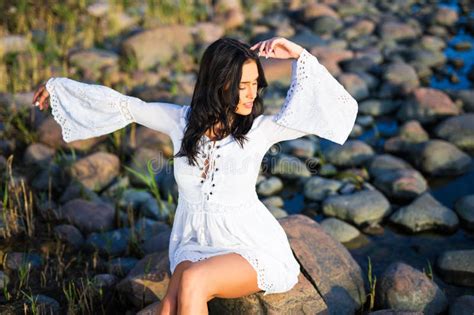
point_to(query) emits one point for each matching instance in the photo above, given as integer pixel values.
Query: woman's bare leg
(224, 276)
(169, 303)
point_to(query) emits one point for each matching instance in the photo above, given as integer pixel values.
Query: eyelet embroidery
(262, 281)
(113, 99)
(316, 103)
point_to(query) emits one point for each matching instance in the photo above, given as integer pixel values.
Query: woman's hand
(41, 97)
(279, 48)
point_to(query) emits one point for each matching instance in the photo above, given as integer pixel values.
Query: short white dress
(218, 210)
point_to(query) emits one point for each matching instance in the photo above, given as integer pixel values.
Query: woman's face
(248, 87)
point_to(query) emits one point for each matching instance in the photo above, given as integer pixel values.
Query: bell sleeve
(89, 110)
(316, 103)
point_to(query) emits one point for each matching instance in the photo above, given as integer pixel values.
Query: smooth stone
(288, 166)
(361, 208)
(458, 130)
(18, 260)
(340, 230)
(89, 216)
(69, 234)
(440, 158)
(112, 243)
(104, 280)
(157, 243)
(96, 170)
(403, 287)
(351, 153)
(456, 267)
(377, 107)
(270, 186)
(319, 188)
(464, 207)
(425, 213)
(330, 267)
(121, 266)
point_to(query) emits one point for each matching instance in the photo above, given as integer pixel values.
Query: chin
(245, 111)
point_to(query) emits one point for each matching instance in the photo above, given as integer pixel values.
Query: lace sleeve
(88, 110)
(316, 103)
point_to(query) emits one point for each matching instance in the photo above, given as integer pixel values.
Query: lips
(248, 104)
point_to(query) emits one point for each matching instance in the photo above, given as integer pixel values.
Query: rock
(351, 153)
(359, 28)
(4, 280)
(105, 280)
(396, 178)
(121, 266)
(427, 105)
(112, 243)
(304, 299)
(13, 44)
(208, 32)
(96, 170)
(303, 148)
(69, 234)
(274, 201)
(463, 305)
(445, 16)
(396, 31)
(440, 158)
(319, 188)
(76, 190)
(355, 85)
(148, 280)
(142, 46)
(361, 208)
(43, 304)
(413, 132)
(458, 130)
(465, 209)
(466, 97)
(425, 213)
(330, 267)
(289, 167)
(325, 25)
(38, 154)
(89, 216)
(377, 107)
(340, 230)
(395, 312)
(17, 260)
(313, 10)
(157, 243)
(404, 288)
(270, 186)
(399, 79)
(92, 62)
(456, 267)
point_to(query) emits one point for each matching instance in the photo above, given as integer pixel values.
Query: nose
(251, 92)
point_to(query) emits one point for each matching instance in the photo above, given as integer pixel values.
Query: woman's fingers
(38, 92)
(42, 100)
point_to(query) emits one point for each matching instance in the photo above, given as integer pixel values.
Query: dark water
(420, 250)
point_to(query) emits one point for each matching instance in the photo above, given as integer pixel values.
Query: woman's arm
(89, 110)
(316, 103)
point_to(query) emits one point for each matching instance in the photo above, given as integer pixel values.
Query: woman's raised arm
(90, 110)
(316, 103)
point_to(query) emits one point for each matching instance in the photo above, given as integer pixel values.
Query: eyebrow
(249, 81)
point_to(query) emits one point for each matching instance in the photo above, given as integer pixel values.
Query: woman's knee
(192, 282)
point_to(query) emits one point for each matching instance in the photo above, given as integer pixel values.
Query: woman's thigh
(225, 276)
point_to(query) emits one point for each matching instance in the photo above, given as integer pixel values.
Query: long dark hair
(216, 95)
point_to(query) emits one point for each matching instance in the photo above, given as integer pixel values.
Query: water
(420, 250)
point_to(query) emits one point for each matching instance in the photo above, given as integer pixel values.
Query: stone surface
(327, 262)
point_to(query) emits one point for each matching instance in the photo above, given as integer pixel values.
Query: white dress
(220, 213)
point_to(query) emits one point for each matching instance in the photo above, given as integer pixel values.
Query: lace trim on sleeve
(74, 128)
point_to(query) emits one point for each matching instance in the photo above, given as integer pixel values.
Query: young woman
(224, 241)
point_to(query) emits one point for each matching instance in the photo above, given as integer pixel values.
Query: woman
(224, 241)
